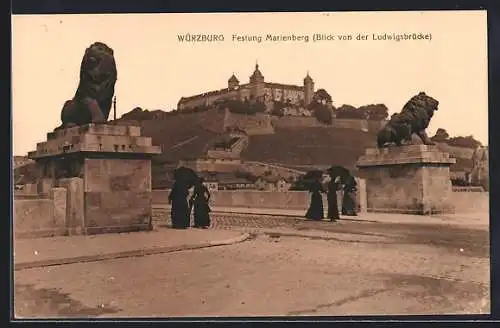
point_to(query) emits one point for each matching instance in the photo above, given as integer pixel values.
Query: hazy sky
(155, 69)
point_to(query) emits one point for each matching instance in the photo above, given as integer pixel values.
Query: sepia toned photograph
(250, 165)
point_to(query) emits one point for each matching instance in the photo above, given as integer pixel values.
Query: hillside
(181, 136)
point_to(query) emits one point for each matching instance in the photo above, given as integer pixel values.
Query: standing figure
(180, 208)
(333, 210)
(348, 203)
(201, 197)
(191, 196)
(316, 210)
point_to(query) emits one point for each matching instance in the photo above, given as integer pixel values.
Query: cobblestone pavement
(290, 267)
(231, 221)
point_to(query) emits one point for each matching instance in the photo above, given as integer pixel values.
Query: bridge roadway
(369, 265)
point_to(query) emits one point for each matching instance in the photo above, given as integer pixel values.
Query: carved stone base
(412, 179)
(115, 164)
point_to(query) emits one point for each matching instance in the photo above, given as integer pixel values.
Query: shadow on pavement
(51, 303)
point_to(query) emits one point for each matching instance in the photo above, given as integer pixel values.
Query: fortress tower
(480, 167)
(308, 89)
(233, 82)
(257, 84)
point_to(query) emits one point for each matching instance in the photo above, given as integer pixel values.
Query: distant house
(19, 161)
(234, 183)
(225, 181)
(211, 183)
(272, 183)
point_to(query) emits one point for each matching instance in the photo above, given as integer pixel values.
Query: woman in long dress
(201, 206)
(180, 208)
(333, 210)
(348, 203)
(316, 210)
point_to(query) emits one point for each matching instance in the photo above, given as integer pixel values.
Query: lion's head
(98, 64)
(422, 102)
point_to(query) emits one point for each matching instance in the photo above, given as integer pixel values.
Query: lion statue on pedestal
(93, 99)
(409, 125)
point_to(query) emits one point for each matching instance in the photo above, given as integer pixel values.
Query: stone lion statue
(93, 98)
(409, 125)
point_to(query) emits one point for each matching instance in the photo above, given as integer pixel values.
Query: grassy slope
(310, 146)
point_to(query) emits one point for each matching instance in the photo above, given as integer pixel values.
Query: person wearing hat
(348, 203)
(331, 196)
(200, 201)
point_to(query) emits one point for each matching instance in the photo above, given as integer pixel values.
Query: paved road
(290, 267)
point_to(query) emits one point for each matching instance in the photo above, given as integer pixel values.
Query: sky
(155, 69)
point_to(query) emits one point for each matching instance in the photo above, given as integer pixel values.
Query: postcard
(250, 164)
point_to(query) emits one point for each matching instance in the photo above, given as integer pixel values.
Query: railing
(468, 189)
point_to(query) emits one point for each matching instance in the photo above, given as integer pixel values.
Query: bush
(322, 113)
(372, 112)
(243, 107)
(465, 142)
(440, 136)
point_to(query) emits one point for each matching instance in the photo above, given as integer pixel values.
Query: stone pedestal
(114, 162)
(412, 179)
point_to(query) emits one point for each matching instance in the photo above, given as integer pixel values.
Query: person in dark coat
(331, 195)
(201, 198)
(348, 203)
(316, 210)
(180, 208)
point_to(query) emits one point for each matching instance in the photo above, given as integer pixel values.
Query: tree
(257, 107)
(322, 96)
(465, 142)
(348, 111)
(135, 114)
(320, 106)
(323, 114)
(374, 111)
(440, 136)
(278, 108)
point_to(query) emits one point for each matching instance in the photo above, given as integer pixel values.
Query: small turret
(257, 75)
(257, 83)
(233, 82)
(308, 89)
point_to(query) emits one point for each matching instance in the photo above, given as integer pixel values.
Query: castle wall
(283, 94)
(244, 93)
(252, 124)
(306, 122)
(213, 165)
(295, 122)
(260, 168)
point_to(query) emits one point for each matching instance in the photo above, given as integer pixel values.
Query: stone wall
(259, 168)
(293, 200)
(465, 202)
(257, 124)
(296, 122)
(232, 153)
(307, 122)
(117, 194)
(471, 202)
(40, 216)
(213, 165)
(36, 216)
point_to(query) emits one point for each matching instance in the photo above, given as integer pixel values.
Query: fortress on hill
(256, 89)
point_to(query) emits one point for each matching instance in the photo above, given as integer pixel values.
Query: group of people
(316, 209)
(186, 199)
